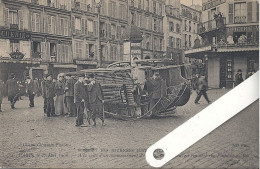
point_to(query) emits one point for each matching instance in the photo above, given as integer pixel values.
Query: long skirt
(60, 108)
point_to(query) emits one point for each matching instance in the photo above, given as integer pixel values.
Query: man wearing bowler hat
(95, 99)
(80, 97)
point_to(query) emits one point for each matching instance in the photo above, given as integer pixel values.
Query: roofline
(191, 8)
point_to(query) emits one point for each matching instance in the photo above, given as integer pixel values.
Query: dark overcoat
(69, 87)
(12, 88)
(49, 89)
(94, 92)
(79, 92)
(31, 87)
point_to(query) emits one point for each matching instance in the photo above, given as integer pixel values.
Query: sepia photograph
(95, 83)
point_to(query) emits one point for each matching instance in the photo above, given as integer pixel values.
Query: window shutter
(230, 13)
(55, 19)
(20, 16)
(47, 51)
(45, 21)
(82, 26)
(96, 28)
(31, 21)
(249, 11)
(173, 42)
(58, 59)
(60, 26)
(6, 17)
(86, 51)
(109, 8)
(73, 24)
(96, 51)
(43, 51)
(109, 31)
(86, 27)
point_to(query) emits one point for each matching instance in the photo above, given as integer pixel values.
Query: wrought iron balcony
(212, 25)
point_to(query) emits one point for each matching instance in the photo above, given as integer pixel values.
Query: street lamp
(98, 6)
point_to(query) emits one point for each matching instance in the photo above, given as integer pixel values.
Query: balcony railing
(240, 19)
(211, 25)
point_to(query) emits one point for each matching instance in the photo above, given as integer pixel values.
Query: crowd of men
(66, 96)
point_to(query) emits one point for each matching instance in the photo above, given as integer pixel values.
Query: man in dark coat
(80, 96)
(50, 94)
(31, 90)
(156, 89)
(44, 94)
(238, 78)
(69, 95)
(95, 99)
(12, 89)
(202, 90)
(1, 93)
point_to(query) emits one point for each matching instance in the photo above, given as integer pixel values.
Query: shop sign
(86, 62)
(207, 48)
(14, 34)
(17, 55)
(212, 4)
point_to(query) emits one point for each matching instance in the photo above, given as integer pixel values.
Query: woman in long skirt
(60, 108)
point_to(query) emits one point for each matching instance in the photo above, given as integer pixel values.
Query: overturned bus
(123, 88)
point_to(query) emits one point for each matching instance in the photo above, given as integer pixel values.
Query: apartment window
(14, 46)
(178, 28)
(51, 24)
(53, 50)
(13, 16)
(240, 12)
(230, 13)
(177, 42)
(64, 26)
(35, 22)
(160, 9)
(194, 28)
(114, 10)
(185, 25)
(139, 4)
(78, 49)
(36, 49)
(155, 25)
(77, 23)
(154, 7)
(171, 26)
(91, 51)
(113, 31)
(189, 26)
(146, 5)
(90, 26)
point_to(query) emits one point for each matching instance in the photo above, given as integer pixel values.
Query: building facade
(148, 16)
(191, 18)
(230, 40)
(173, 31)
(35, 37)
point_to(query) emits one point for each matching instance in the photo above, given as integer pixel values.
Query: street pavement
(30, 139)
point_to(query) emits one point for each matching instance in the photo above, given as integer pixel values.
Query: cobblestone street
(30, 139)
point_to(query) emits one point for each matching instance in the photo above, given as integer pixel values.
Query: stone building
(35, 37)
(173, 31)
(230, 40)
(148, 16)
(191, 17)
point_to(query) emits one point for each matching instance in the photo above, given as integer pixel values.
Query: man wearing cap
(12, 89)
(69, 95)
(31, 89)
(44, 94)
(50, 94)
(238, 78)
(95, 99)
(80, 96)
